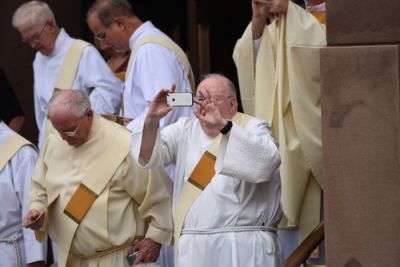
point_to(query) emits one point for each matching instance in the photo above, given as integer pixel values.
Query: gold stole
(9, 147)
(68, 70)
(199, 179)
(170, 45)
(91, 187)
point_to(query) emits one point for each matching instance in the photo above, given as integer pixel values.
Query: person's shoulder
(29, 149)
(252, 121)
(113, 127)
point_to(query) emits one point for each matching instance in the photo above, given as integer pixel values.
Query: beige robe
(135, 202)
(282, 87)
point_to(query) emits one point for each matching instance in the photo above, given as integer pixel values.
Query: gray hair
(75, 101)
(34, 12)
(107, 10)
(229, 84)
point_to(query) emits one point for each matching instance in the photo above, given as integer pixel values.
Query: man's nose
(33, 44)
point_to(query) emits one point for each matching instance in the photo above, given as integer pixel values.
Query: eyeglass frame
(100, 37)
(37, 36)
(73, 132)
(217, 98)
(103, 35)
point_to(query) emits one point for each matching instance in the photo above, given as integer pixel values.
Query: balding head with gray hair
(36, 13)
(107, 10)
(74, 101)
(228, 83)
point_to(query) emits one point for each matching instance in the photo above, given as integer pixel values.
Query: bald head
(71, 115)
(69, 101)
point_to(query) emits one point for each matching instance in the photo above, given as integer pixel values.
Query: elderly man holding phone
(227, 164)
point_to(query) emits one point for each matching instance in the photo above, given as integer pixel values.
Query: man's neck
(133, 23)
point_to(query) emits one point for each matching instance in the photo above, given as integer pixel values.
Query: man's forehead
(28, 28)
(213, 86)
(94, 23)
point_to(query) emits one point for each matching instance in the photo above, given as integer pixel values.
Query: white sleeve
(256, 47)
(155, 68)
(249, 153)
(101, 84)
(25, 161)
(165, 147)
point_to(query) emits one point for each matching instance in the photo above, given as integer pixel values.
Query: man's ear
(233, 104)
(90, 114)
(120, 22)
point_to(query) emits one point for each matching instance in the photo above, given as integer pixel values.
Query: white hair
(34, 12)
(75, 101)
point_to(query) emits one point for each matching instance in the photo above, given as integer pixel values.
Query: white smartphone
(180, 99)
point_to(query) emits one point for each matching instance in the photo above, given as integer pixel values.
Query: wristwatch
(226, 128)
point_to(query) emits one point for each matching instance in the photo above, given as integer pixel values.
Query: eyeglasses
(100, 37)
(73, 132)
(215, 98)
(36, 37)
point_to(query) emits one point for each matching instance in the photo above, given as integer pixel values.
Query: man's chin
(74, 143)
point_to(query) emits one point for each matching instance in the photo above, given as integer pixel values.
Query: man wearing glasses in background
(89, 194)
(63, 62)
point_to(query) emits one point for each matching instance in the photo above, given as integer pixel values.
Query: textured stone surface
(363, 21)
(361, 155)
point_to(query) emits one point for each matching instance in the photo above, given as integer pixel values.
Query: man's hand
(33, 219)
(263, 9)
(278, 6)
(260, 9)
(36, 264)
(209, 114)
(149, 250)
(159, 107)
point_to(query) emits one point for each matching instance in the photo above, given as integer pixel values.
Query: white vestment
(93, 77)
(223, 226)
(14, 188)
(154, 68)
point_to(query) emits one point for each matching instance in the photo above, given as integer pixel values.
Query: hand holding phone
(131, 257)
(180, 99)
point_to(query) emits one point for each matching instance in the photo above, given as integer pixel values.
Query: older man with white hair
(63, 62)
(90, 196)
(226, 200)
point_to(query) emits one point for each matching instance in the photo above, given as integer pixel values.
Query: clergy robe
(280, 84)
(135, 202)
(93, 77)
(14, 187)
(223, 226)
(154, 68)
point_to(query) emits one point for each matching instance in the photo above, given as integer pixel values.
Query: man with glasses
(89, 194)
(155, 61)
(63, 62)
(226, 201)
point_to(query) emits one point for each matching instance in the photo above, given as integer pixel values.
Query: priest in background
(277, 61)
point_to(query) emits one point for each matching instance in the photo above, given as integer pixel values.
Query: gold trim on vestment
(204, 171)
(80, 203)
